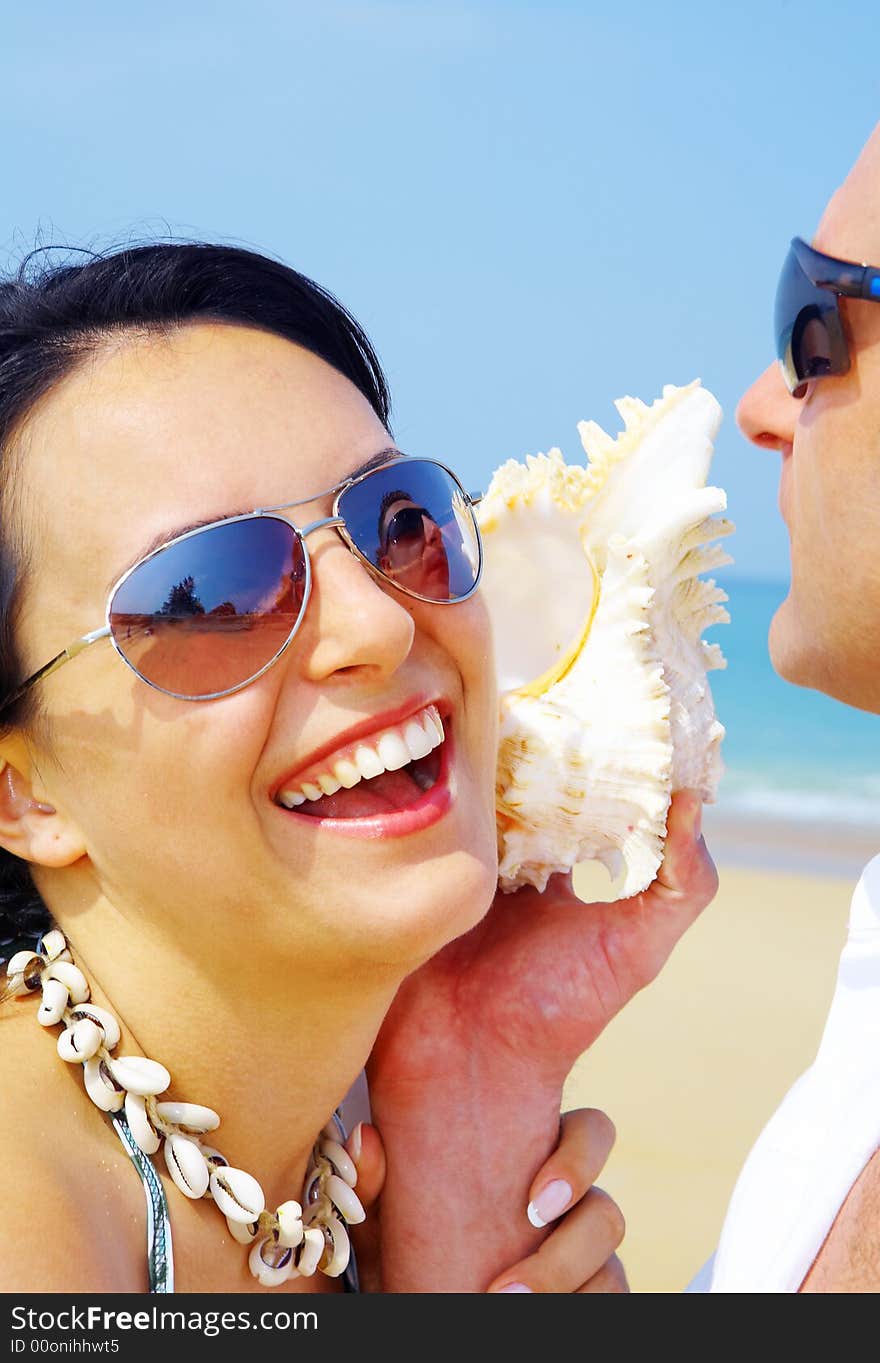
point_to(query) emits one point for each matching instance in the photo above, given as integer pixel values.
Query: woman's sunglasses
(209, 611)
(810, 339)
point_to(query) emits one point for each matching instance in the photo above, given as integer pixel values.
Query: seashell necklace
(298, 1238)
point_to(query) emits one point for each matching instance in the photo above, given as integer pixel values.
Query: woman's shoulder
(73, 1211)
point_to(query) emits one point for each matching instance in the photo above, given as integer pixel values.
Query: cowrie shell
(313, 1246)
(311, 1191)
(336, 1249)
(237, 1194)
(139, 1124)
(186, 1165)
(71, 977)
(104, 1019)
(216, 1158)
(242, 1231)
(16, 964)
(55, 1000)
(341, 1161)
(137, 1074)
(100, 1086)
(191, 1116)
(290, 1226)
(344, 1199)
(15, 985)
(271, 1275)
(79, 1043)
(52, 944)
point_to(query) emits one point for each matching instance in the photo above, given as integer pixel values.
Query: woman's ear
(31, 828)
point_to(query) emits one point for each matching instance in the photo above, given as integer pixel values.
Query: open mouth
(390, 772)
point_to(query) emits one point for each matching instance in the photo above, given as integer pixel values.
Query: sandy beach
(694, 1066)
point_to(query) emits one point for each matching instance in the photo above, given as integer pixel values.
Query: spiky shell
(591, 576)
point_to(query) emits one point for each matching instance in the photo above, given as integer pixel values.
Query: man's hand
(467, 1071)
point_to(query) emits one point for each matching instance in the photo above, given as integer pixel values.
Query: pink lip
(427, 810)
(364, 729)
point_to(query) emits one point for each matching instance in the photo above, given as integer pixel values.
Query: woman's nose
(767, 413)
(351, 622)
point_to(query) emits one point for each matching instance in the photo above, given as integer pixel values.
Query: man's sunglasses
(810, 339)
(209, 611)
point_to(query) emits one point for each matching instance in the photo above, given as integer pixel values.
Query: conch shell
(591, 577)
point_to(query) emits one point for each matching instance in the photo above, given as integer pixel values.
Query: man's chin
(806, 653)
(790, 647)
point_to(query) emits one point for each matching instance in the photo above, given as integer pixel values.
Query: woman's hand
(467, 1071)
(578, 1253)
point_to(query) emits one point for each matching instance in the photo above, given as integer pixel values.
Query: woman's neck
(272, 1045)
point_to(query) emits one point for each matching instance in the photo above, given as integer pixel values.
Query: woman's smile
(397, 780)
(378, 766)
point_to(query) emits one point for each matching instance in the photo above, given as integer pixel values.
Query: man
(805, 1214)
(491, 1026)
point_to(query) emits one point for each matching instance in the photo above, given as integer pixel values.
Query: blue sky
(533, 208)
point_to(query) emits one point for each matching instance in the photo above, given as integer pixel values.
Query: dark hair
(54, 315)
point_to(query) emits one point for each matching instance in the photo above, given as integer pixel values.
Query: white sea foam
(861, 808)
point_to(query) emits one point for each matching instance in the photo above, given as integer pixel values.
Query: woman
(259, 798)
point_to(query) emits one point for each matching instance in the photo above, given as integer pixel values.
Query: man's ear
(31, 828)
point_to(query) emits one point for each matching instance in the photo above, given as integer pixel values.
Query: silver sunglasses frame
(334, 521)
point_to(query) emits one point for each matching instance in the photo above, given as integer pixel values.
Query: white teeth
(417, 740)
(393, 752)
(369, 763)
(346, 773)
(433, 717)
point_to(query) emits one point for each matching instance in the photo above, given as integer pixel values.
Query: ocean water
(789, 753)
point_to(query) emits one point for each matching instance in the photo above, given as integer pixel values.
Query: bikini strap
(160, 1259)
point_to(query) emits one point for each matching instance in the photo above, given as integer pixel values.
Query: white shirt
(820, 1138)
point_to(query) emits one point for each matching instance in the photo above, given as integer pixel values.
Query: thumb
(647, 926)
(687, 872)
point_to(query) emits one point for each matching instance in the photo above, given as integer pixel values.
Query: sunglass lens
(412, 521)
(810, 341)
(209, 612)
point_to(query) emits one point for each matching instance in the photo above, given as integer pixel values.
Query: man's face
(825, 634)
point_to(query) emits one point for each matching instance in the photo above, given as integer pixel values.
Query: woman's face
(174, 802)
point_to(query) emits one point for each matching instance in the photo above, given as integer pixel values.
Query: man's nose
(433, 533)
(767, 413)
(351, 623)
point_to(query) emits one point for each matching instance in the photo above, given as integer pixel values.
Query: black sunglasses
(810, 340)
(210, 610)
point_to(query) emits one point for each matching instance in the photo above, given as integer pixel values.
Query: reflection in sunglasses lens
(208, 613)
(810, 340)
(412, 522)
(810, 345)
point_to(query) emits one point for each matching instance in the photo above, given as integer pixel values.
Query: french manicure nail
(550, 1203)
(515, 1287)
(353, 1143)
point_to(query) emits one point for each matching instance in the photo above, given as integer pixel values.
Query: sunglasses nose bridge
(324, 523)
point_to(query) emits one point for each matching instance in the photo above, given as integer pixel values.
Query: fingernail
(353, 1144)
(515, 1287)
(550, 1203)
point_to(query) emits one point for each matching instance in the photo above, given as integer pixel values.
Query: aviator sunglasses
(208, 611)
(810, 339)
